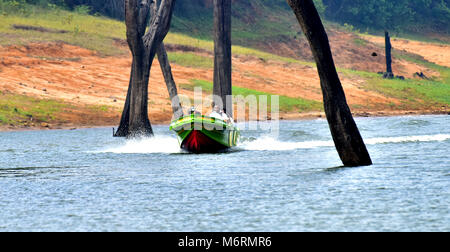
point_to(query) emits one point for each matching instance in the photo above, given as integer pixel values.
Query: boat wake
(272, 144)
(169, 145)
(405, 139)
(157, 144)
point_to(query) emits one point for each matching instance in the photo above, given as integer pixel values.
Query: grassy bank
(94, 33)
(25, 111)
(413, 93)
(191, 60)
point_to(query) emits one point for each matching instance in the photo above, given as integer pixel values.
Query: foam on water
(272, 144)
(157, 144)
(404, 139)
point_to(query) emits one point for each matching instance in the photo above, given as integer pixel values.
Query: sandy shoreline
(283, 117)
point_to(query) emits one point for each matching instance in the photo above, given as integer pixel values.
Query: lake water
(85, 180)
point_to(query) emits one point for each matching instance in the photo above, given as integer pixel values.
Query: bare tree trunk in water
(143, 47)
(222, 54)
(122, 131)
(346, 136)
(389, 73)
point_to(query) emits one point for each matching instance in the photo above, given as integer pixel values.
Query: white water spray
(271, 144)
(157, 144)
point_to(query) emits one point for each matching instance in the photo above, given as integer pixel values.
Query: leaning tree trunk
(167, 72)
(222, 55)
(143, 46)
(346, 136)
(170, 82)
(389, 73)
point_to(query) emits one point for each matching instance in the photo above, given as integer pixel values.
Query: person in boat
(193, 111)
(216, 113)
(220, 114)
(225, 117)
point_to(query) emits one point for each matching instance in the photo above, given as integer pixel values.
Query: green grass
(94, 33)
(416, 92)
(360, 42)
(18, 109)
(99, 108)
(287, 104)
(413, 93)
(191, 60)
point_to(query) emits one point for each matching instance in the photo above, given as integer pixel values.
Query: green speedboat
(202, 134)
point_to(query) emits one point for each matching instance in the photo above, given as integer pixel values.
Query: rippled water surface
(85, 180)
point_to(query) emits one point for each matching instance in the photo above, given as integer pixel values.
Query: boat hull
(200, 134)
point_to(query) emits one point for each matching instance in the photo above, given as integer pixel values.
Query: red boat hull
(197, 142)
